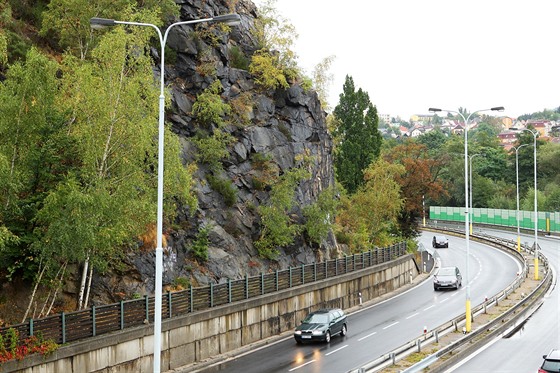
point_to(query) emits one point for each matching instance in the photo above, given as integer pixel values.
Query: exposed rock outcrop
(283, 124)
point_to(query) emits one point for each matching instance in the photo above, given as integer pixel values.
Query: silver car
(448, 278)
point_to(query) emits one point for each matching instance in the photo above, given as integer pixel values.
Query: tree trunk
(83, 283)
(32, 298)
(88, 286)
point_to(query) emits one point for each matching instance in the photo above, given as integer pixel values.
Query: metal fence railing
(97, 320)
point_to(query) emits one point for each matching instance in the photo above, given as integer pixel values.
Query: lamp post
(517, 191)
(96, 23)
(470, 190)
(535, 134)
(468, 317)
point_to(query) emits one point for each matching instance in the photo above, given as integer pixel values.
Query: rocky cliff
(279, 125)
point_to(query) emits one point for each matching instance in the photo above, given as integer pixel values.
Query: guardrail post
(229, 289)
(146, 306)
(393, 357)
(122, 314)
(276, 280)
(63, 322)
(436, 335)
(303, 274)
(191, 296)
(246, 286)
(31, 327)
(335, 266)
(418, 345)
(169, 305)
(314, 271)
(262, 283)
(211, 295)
(93, 329)
(290, 280)
(326, 268)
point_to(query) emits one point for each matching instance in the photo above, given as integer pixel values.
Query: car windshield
(317, 318)
(440, 238)
(446, 272)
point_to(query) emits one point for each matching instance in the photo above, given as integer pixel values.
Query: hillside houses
(548, 130)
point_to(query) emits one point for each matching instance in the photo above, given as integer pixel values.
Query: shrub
(11, 348)
(266, 71)
(225, 188)
(238, 59)
(213, 149)
(209, 107)
(200, 244)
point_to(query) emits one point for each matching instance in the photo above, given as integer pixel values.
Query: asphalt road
(378, 329)
(523, 351)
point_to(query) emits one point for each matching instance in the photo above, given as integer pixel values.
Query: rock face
(282, 124)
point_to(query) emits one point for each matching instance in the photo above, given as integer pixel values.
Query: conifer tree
(357, 140)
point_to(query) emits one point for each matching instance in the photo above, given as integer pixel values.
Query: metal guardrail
(73, 326)
(415, 345)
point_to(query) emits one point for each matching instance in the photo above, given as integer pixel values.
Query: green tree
(112, 101)
(322, 79)
(278, 229)
(320, 215)
(357, 135)
(68, 20)
(369, 217)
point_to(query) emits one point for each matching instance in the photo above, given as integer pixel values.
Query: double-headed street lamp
(535, 134)
(468, 316)
(230, 19)
(471, 188)
(517, 191)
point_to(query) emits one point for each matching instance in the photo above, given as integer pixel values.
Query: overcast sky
(410, 55)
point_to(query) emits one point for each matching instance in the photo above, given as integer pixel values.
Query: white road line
(432, 306)
(367, 336)
(388, 326)
(443, 300)
(411, 316)
(301, 366)
(338, 349)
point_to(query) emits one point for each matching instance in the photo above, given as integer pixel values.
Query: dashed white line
(432, 306)
(338, 349)
(411, 316)
(301, 366)
(367, 336)
(388, 326)
(443, 300)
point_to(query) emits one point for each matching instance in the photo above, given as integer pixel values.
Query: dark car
(448, 278)
(440, 241)
(551, 362)
(321, 325)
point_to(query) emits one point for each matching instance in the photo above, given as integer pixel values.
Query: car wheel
(343, 331)
(328, 337)
(298, 341)
(435, 288)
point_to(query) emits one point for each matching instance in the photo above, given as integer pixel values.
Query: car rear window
(551, 365)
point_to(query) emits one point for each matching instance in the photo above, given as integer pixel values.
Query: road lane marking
(432, 306)
(301, 366)
(338, 349)
(411, 316)
(393, 324)
(367, 336)
(443, 300)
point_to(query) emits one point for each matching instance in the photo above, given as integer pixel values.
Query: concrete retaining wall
(200, 335)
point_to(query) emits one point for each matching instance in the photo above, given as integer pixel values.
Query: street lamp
(97, 23)
(468, 317)
(471, 188)
(517, 191)
(535, 134)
